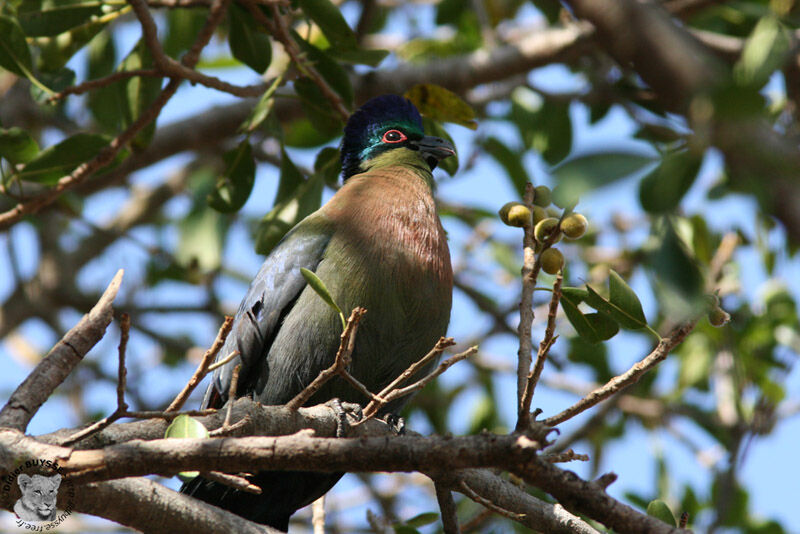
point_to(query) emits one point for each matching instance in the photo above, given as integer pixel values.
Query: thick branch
(59, 363)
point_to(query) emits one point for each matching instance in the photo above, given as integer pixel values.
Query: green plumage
(377, 244)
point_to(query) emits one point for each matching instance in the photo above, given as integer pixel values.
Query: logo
(36, 507)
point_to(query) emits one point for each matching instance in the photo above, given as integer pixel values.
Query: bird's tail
(282, 494)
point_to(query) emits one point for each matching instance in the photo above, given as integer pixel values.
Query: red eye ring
(394, 136)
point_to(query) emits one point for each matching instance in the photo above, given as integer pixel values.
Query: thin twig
(122, 373)
(524, 330)
(232, 395)
(340, 363)
(202, 369)
(233, 481)
(416, 386)
(489, 504)
(629, 377)
(224, 431)
(219, 363)
(412, 369)
(278, 27)
(29, 396)
(548, 340)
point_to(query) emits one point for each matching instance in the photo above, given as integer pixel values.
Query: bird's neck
(403, 157)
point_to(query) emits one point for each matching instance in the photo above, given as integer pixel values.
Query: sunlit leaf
(441, 105)
(659, 509)
(764, 52)
(185, 426)
(201, 241)
(17, 145)
(330, 20)
(320, 289)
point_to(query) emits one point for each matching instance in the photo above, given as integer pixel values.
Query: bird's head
(384, 124)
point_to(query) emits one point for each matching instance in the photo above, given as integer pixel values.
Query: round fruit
(516, 214)
(539, 214)
(574, 225)
(543, 229)
(718, 317)
(542, 196)
(552, 260)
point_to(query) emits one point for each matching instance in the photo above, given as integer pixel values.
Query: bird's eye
(394, 136)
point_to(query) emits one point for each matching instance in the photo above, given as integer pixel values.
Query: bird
(378, 243)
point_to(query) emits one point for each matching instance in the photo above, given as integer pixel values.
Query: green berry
(552, 260)
(574, 225)
(718, 317)
(516, 214)
(539, 214)
(544, 228)
(542, 196)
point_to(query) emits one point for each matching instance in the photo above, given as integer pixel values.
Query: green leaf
(329, 165)
(449, 164)
(249, 45)
(61, 159)
(592, 327)
(330, 70)
(261, 110)
(183, 25)
(764, 52)
(659, 509)
(319, 287)
(57, 50)
(201, 241)
(234, 186)
(17, 145)
(57, 80)
(184, 426)
(553, 135)
(510, 160)
(371, 57)
(423, 519)
(622, 305)
(296, 199)
(664, 187)
(103, 103)
(51, 17)
(330, 20)
(585, 172)
(138, 93)
(442, 105)
(14, 53)
(677, 271)
(317, 108)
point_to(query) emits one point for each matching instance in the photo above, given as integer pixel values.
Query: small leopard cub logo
(38, 501)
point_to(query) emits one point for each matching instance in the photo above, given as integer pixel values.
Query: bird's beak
(434, 149)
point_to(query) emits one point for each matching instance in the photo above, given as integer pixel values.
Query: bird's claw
(342, 411)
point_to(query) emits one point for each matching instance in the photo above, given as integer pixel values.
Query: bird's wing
(271, 295)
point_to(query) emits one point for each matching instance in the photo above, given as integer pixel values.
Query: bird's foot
(343, 410)
(396, 423)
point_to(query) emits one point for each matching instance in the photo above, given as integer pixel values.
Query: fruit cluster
(547, 228)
